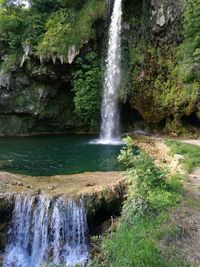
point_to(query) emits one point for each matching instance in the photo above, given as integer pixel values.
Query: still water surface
(54, 155)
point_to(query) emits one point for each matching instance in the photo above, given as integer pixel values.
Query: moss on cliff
(155, 86)
(67, 30)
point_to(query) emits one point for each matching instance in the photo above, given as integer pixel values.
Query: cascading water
(110, 113)
(46, 230)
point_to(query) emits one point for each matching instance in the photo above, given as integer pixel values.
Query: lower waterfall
(46, 230)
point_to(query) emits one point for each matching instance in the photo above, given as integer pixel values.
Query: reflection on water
(51, 155)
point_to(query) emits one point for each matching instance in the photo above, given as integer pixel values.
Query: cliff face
(165, 12)
(38, 98)
(157, 51)
(37, 65)
(5, 215)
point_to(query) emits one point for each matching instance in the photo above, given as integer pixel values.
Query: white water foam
(111, 142)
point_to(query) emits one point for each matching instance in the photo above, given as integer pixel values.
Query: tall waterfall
(46, 230)
(110, 114)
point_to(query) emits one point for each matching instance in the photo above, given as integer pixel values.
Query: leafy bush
(87, 88)
(11, 24)
(51, 28)
(144, 215)
(69, 27)
(148, 183)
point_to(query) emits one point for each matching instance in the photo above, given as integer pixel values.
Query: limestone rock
(164, 12)
(72, 53)
(4, 80)
(27, 52)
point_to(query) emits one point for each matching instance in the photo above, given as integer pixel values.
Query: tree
(54, 5)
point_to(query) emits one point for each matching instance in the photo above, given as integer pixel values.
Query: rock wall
(166, 20)
(152, 47)
(36, 98)
(5, 217)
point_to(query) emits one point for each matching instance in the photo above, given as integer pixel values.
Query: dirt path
(191, 141)
(186, 217)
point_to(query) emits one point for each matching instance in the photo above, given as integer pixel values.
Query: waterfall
(110, 113)
(45, 230)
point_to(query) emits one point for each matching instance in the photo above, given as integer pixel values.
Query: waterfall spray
(110, 114)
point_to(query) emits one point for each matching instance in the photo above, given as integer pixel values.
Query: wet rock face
(166, 17)
(4, 81)
(36, 98)
(5, 217)
(164, 11)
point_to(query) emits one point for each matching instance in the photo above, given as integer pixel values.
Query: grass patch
(139, 245)
(190, 152)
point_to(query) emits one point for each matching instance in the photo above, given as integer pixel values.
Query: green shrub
(144, 215)
(69, 27)
(87, 88)
(189, 52)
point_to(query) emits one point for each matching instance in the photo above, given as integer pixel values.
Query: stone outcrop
(166, 17)
(36, 99)
(5, 215)
(164, 12)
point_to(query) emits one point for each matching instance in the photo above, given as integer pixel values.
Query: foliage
(19, 27)
(144, 216)
(161, 79)
(67, 28)
(189, 51)
(159, 93)
(138, 245)
(10, 63)
(87, 88)
(45, 6)
(11, 23)
(190, 152)
(51, 28)
(149, 187)
(49, 6)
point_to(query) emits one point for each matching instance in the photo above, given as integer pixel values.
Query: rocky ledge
(73, 186)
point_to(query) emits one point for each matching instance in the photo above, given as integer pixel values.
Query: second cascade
(46, 230)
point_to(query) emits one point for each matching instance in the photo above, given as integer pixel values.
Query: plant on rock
(87, 88)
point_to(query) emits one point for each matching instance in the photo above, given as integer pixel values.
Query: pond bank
(69, 185)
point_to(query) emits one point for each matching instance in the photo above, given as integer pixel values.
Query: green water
(54, 155)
